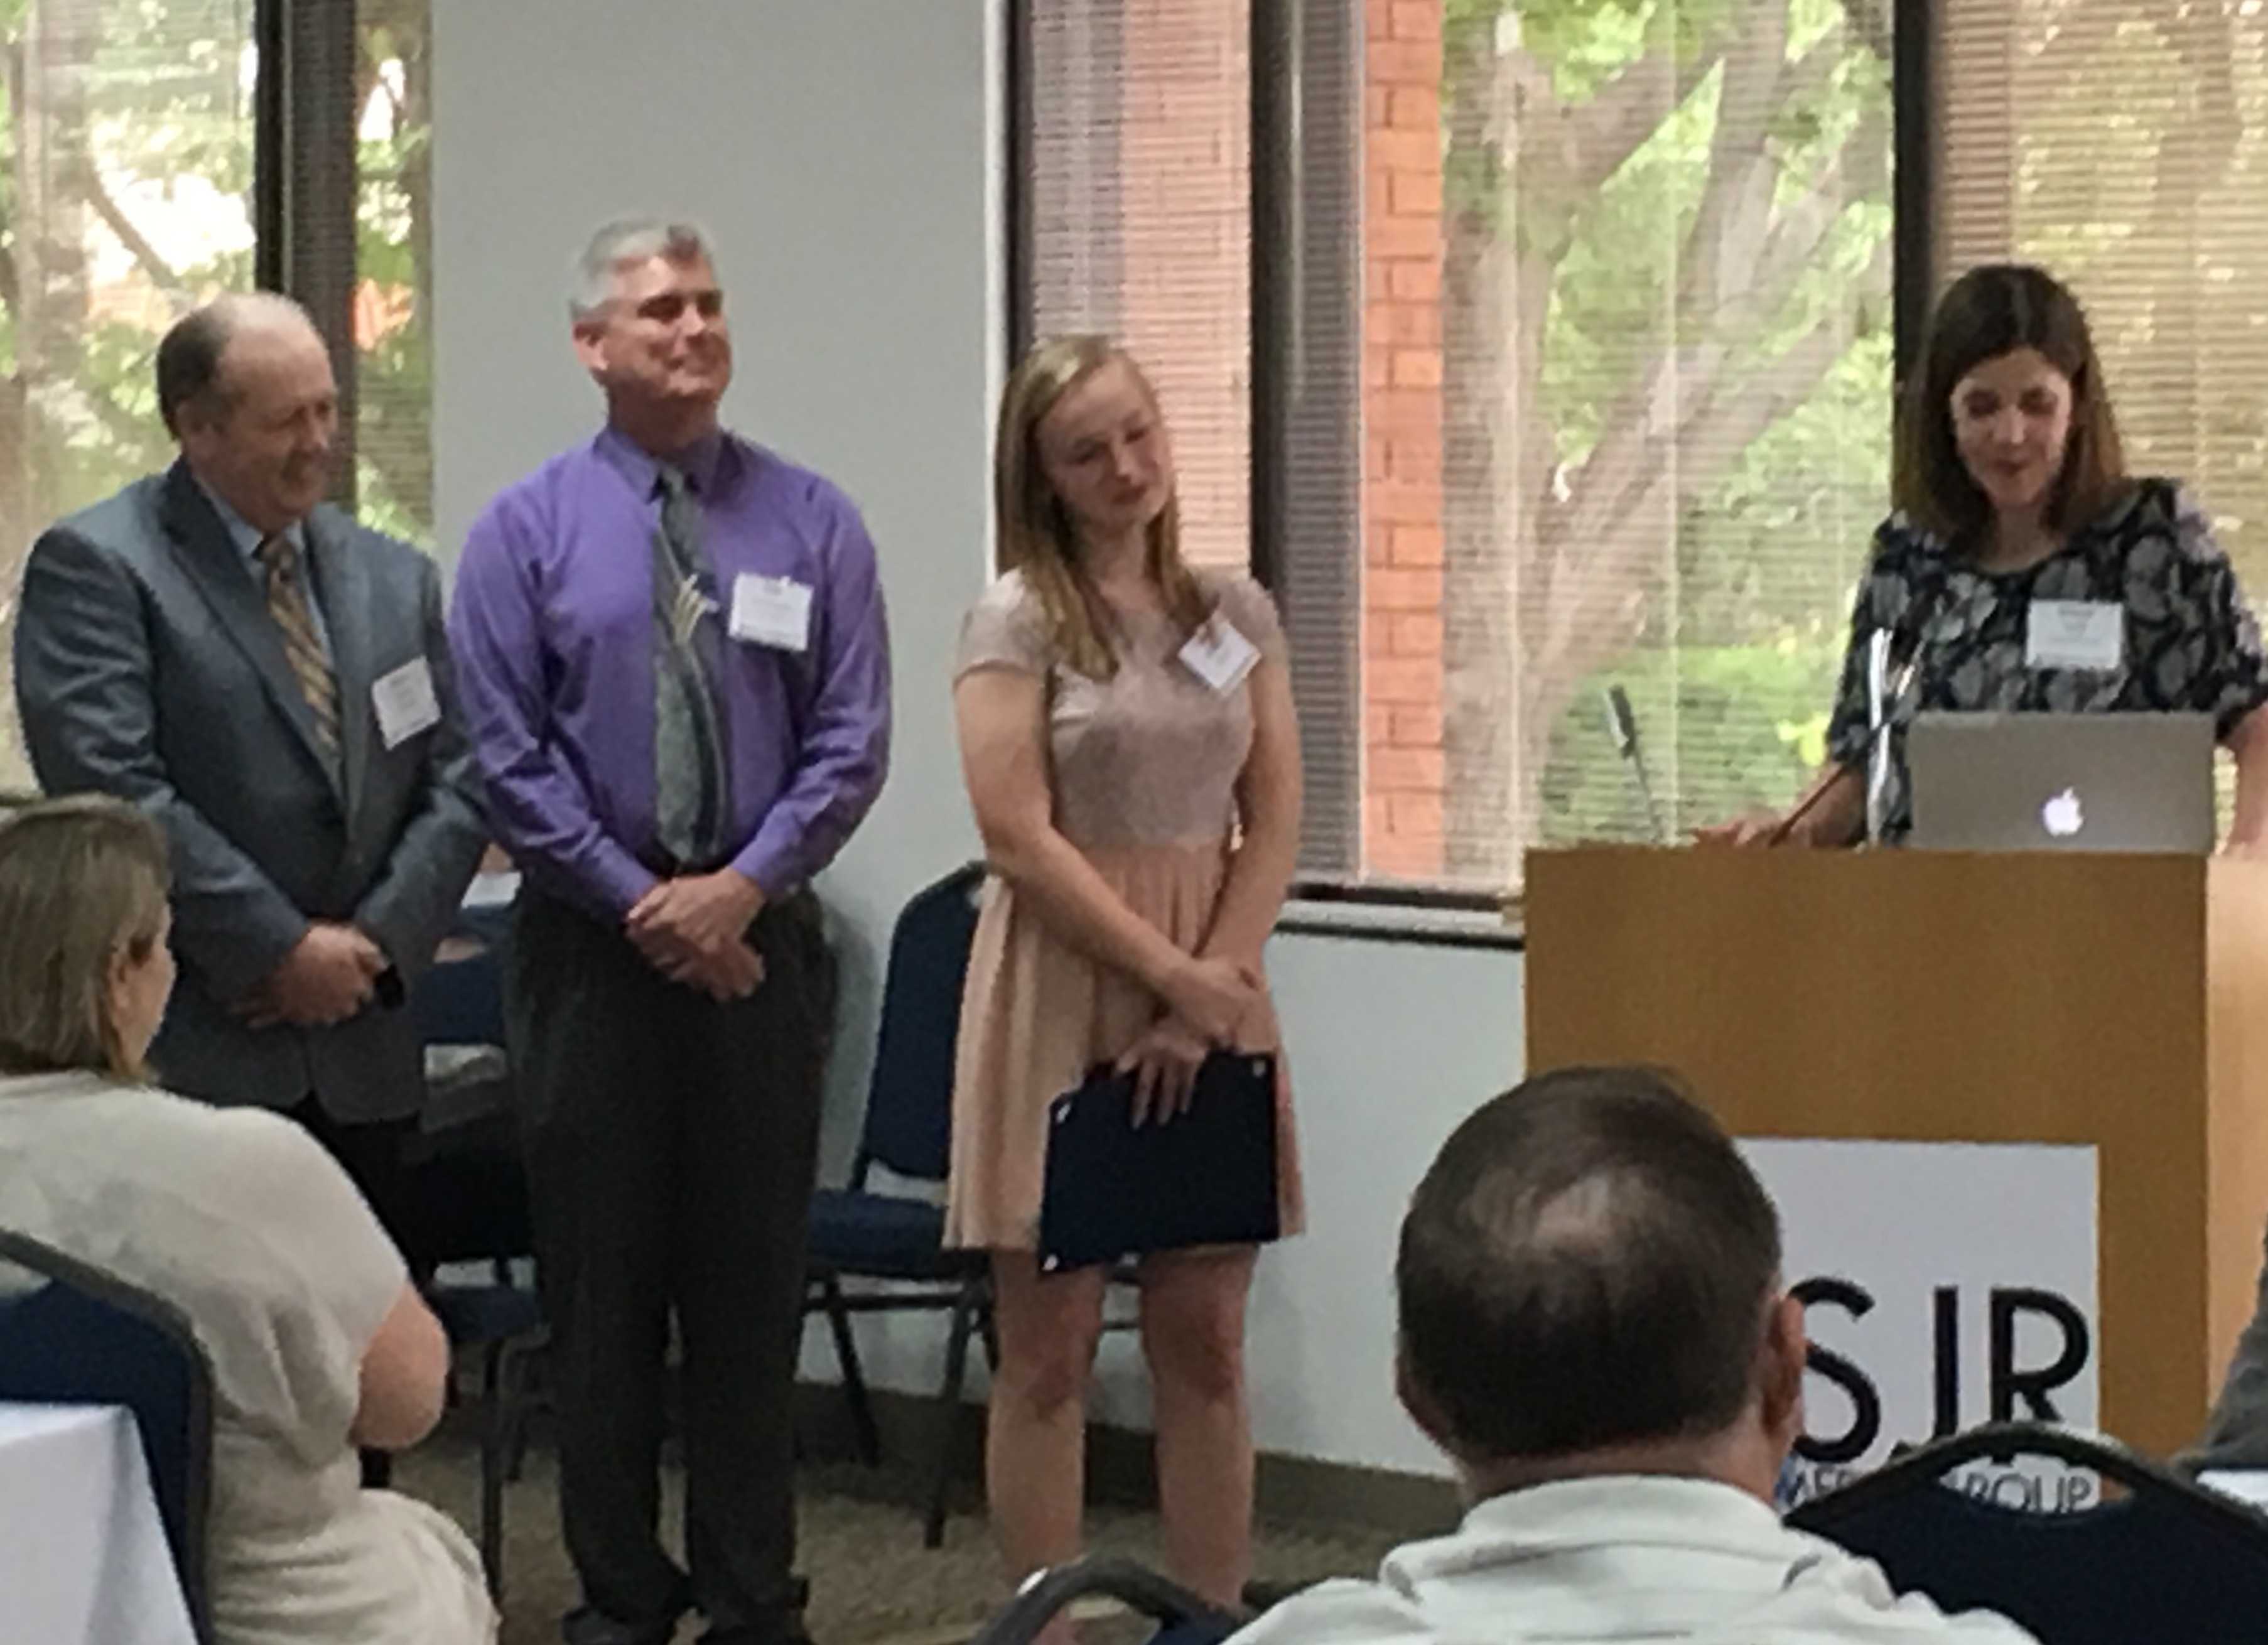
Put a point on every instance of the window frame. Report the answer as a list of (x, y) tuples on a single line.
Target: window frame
[(1305, 54), (306, 184)]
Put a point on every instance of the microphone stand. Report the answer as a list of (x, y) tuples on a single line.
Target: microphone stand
[(1878, 745), (1623, 722), (1883, 695)]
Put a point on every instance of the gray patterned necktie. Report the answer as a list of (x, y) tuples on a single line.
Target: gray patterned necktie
[(692, 786)]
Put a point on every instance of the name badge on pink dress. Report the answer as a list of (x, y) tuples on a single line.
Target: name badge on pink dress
[(1220, 656)]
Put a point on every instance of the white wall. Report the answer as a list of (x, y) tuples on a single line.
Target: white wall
[(843, 155)]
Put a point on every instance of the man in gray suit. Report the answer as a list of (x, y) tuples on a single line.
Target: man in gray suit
[(270, 681)]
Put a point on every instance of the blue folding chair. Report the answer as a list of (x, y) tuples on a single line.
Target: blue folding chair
[(2165, 1560), (1182, 1618), (857, 1233), (87, 1338)]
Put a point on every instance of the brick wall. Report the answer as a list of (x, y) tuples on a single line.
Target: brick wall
[(1186, 223), (1184, 309), (1403, 761)]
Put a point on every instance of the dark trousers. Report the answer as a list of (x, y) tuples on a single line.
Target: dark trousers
[(670, 1145), (371, 1155), (458, 1197)]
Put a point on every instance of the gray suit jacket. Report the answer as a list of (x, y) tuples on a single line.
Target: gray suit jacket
[(147, 667)]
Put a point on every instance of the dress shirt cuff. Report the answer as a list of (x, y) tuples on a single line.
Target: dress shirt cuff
[(616, 879), (772, 863)]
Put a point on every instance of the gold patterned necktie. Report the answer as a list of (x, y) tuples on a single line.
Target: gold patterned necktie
[(287, 603)]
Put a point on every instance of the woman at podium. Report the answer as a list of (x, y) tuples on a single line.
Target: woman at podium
[(2024, 570)]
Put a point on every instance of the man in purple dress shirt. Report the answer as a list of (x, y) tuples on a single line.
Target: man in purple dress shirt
[(672, 654)]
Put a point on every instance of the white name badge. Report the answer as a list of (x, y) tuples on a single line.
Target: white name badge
[(405, 702), (2075, 634), (774, 611), (1219, 655)]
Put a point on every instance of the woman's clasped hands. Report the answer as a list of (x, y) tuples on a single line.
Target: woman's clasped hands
[(1206, 999)]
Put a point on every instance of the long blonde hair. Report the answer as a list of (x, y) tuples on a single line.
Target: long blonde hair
[(1037, 534), (83, 885)]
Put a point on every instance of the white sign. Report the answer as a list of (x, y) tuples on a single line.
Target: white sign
[(1945, 1285)]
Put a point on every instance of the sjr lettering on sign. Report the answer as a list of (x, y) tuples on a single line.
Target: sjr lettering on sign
[(2015, 1390)]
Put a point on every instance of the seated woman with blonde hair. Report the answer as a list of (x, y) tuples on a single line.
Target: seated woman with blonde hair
[(318, 1342)]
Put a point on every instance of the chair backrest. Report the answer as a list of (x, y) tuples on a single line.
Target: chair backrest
[(2168, 1560), (909, 1100), (459, 1002), (1182, 1618), (87, 1338)]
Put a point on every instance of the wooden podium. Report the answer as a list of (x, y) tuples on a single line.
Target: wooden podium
[(1927, 996)]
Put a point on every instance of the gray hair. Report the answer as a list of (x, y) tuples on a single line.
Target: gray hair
[(625, 241)]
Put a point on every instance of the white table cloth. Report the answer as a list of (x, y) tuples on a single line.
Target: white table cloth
[(2248, 1486), (82, 1553)]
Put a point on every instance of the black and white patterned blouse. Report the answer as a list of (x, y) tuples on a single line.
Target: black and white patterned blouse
[(2191, 642)]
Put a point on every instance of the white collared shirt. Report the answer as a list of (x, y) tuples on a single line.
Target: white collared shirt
[(1623, 1557), (248, 539)]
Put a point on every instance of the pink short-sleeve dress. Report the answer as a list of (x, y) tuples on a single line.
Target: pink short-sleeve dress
[(1143, 770)]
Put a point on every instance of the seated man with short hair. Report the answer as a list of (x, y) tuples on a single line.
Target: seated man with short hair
[(1594, 1327)]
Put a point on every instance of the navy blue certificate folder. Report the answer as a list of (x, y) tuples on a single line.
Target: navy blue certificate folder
[(1204, 1178)]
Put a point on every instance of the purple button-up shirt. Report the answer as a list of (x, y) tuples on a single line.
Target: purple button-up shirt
[(552, 627)]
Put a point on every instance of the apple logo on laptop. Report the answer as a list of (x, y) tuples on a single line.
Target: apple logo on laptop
[(2062, 816)]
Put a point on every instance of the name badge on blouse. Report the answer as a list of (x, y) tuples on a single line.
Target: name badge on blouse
[(2089, 633), (1220, 656), (774, 611), (405, 702)]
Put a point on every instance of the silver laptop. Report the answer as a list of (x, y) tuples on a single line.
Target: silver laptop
[(2062, 781)]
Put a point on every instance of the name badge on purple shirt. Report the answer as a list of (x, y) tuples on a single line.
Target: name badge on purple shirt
[(774, 611)]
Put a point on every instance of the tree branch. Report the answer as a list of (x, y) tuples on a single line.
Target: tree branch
[(161, 273), (1869, 23), (1719, 423), (1735, 209), (1596, 558), (1631, 107), (1794, 242)]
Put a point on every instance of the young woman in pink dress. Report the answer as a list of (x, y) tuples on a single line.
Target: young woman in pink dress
[(1127, 733)]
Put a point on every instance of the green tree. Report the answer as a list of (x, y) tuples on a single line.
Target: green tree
[(1667, 357)]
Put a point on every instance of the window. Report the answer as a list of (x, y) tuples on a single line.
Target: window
[(1139, 221), (391, 248), (1576, 371), (1626, 391), (148, 162), (126, 162)]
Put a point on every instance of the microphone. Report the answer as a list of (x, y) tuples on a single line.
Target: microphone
[(1622, 724)]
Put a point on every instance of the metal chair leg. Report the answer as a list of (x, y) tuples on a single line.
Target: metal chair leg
[(520, 1359), (496, 1422), (965, 1308), (854, 1380)]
